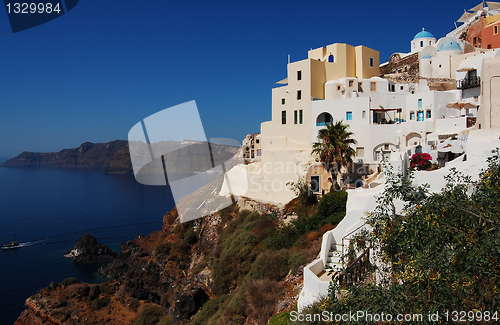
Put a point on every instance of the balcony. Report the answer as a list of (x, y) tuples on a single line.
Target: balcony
[(469, 83)]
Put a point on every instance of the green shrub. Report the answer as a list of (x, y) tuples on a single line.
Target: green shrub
[(167, 320), (332, 203), (150, 315), (209, 309), (163, 249), (190, 236), (280, 319), (236, 257), (283, 237), (271, 264), (296, 260)]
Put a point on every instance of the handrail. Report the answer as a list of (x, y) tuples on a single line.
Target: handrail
[(355, 270), (343, 238), (468, 83)]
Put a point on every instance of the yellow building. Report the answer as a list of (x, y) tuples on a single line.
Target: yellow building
[(286, 140), (290, 127)]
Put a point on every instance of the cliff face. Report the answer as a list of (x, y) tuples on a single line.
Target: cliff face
[(144, 273), (88, 155), (171, 272), (114, 157)]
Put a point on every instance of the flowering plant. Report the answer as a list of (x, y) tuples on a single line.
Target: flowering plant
[(420, 161)]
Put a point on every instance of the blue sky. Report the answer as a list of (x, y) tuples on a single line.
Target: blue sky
[(93, 73)]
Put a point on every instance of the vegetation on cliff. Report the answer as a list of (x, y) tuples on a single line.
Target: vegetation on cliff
[(226, 268), (442, 255)]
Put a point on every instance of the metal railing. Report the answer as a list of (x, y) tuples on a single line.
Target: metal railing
[(468, 83), (356, 270)]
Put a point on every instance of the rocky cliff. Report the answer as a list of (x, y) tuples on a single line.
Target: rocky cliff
[(87, 155), (88, 250), (185, 157)]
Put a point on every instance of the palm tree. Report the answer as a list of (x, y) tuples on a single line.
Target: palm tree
[(334, 149)]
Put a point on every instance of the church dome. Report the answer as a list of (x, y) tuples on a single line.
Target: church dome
[(423, 34), (449, 45)]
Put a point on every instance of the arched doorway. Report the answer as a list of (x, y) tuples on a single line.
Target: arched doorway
[(323, 119)]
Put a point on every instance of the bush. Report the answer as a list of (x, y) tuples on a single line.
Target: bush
[(262, 296), (332, 203), (420, 161), (209, 309), (163, 249), (150, 315), (281, 319), (271, 264), (190, 237), (236, 257), (296, 260)]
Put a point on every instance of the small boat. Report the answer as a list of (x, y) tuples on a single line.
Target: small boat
[(13, 244)]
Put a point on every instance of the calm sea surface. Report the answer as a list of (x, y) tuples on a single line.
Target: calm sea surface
[(47, 210)]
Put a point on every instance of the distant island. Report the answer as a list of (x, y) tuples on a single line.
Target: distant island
[(113, 158)]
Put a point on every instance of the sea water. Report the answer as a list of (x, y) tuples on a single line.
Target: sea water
[(47, 210)]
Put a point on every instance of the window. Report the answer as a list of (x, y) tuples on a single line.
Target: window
[(257, 141), (428, 113), (282, 101), (386, 147), (351, 83), (373, 86), (331, 58), (420, 103), (412, 115), (299, 75), (401, 88), (440, 66), (430, 42), (360, 87), (489, 46), (420, 116), (315, 183), (299, 94), (339, 87), (371, 62), (421, 43), (295, 117), (495, 29), (474, 41), (258, 152), (348, 116), (283, 117), (300, 117), (360, 152), (363, 114)]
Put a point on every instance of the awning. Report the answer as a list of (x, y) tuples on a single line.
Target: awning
[(476, 8), (386, 109), (466, 69), (465, 17), (493, 5), (460, 104)]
